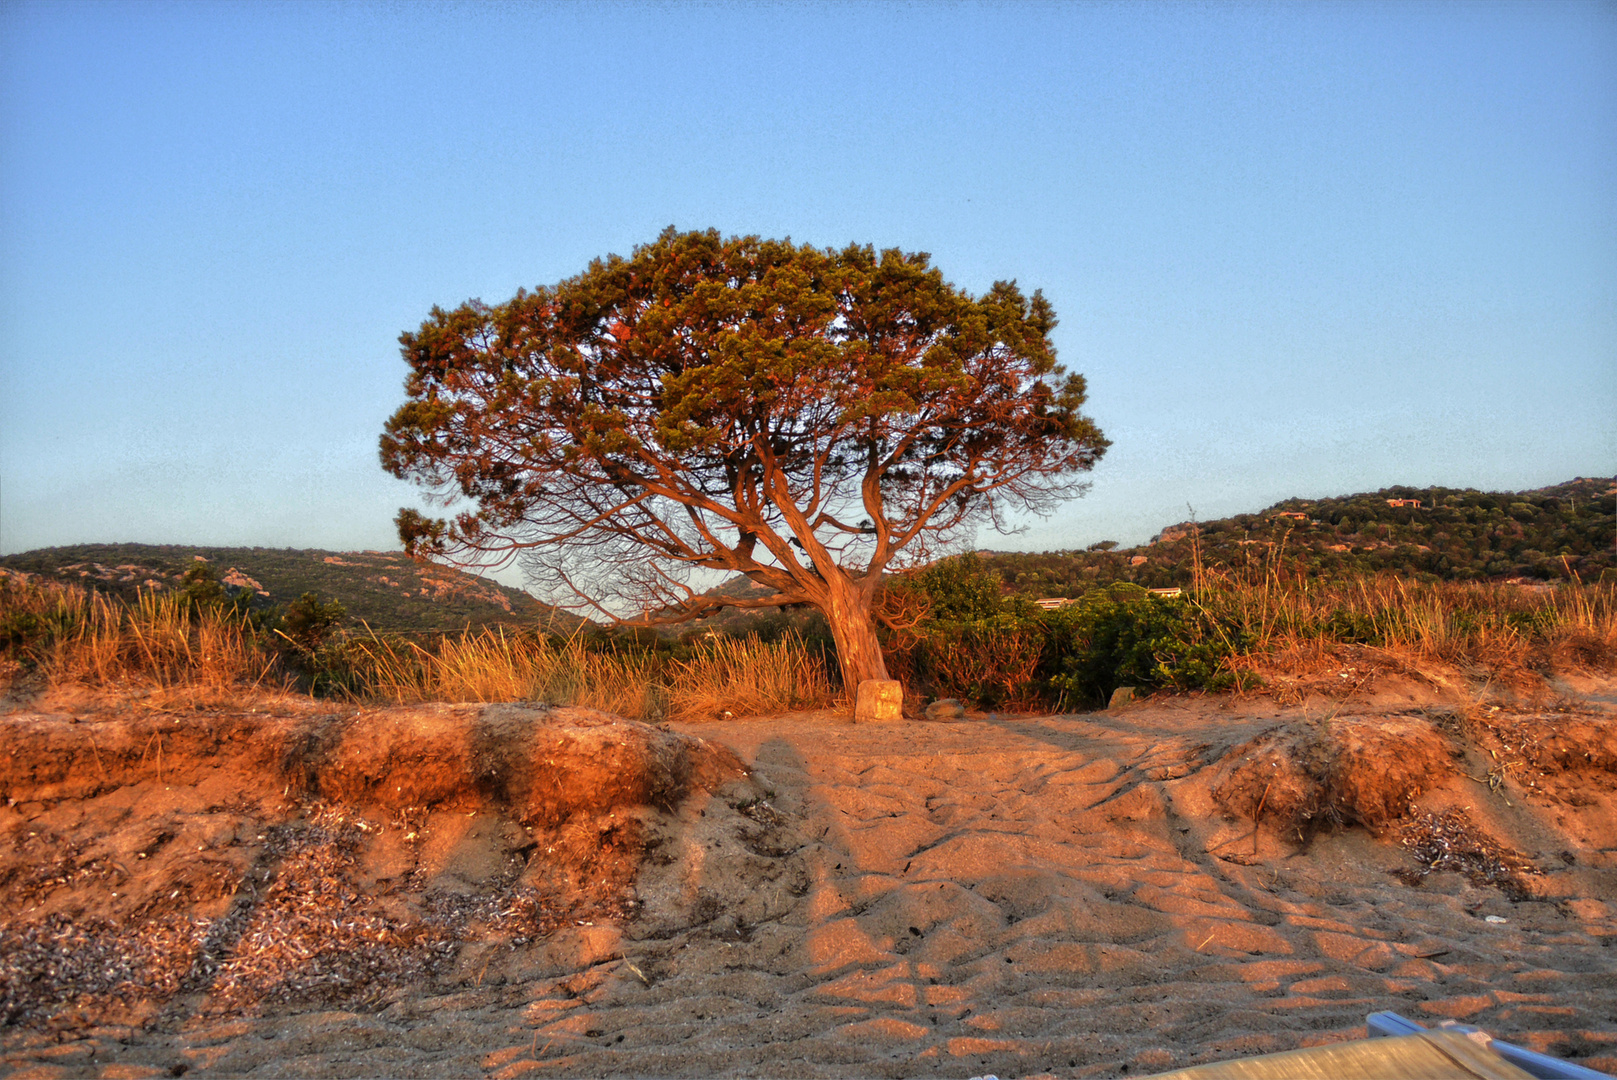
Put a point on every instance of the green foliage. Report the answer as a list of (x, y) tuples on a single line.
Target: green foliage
[(1010, 653), (799, 415), (1124, 636), (1556, 533), (346, 667), (201, 589), (1350, 628), (21, 632), (974, 640), (992, 662), (33, 618), (307, 622), (962, 589)]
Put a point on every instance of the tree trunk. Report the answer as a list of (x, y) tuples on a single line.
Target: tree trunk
[(847, 609)]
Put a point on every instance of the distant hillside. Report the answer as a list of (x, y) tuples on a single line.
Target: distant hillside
[(1451, 535), (1432, 533), (383, 588)]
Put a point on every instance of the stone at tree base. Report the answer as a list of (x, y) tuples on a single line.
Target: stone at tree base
[(1123, 695), (879, 701), (945, 710)]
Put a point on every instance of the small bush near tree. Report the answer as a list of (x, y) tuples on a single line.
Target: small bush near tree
[(1124, 636), (201, 589), (308, 622), (996, 649)]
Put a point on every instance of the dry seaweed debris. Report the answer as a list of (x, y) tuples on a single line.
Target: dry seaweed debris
[(1451, 842), (300, 929), (46, 862), (61, 967), (1554, 742), (310, 935)]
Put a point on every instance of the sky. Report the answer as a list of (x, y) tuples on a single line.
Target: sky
[(1296, 249)]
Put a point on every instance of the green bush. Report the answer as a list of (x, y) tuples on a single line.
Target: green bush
[(1124, 636), (992, 662), (963, 589), (307, 622), (346, 668), (995, 650), (33, 619), (1351, 627), (20, 631), (201, 588)]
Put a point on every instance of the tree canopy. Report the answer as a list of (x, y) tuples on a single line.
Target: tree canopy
[(808, 418)]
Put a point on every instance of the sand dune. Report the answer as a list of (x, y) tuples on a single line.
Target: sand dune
[(1071, 895)]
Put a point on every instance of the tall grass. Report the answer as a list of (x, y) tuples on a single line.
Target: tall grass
[(1456, 623), (74, 635), (739, 676), (494, 665), (748, 676)]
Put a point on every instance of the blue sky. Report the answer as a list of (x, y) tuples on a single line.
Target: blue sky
[(1297, 249)]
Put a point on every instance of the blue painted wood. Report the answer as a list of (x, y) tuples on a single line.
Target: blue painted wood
[(1381, 1024)]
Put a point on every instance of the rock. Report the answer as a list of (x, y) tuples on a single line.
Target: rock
[(880, 701), (1123, 695), (945, 710)]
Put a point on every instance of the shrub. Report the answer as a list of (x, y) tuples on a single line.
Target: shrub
[(962, 589), (1124, 636), (992, 662), (200, 588), (307, 622)]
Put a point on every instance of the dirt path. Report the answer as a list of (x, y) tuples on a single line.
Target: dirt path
[(1014, 896)]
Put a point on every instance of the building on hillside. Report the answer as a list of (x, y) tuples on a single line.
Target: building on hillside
[(1167, 594), (1051, 603), (1416, 503), (1292, 515)]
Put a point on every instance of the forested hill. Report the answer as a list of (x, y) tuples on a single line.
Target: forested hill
[(1437, 534), (383, 588)]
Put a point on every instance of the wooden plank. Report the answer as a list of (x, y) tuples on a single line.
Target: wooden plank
[(1429, 1055)]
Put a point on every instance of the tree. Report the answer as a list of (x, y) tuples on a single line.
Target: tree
[(808, 418)]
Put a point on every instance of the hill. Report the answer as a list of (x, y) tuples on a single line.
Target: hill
[(1433, 534), (385, 589)]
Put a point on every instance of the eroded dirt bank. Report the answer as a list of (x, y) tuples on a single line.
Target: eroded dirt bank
[(438, 891)]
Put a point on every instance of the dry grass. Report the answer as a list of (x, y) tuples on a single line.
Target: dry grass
[(746, 676), (493, 665), (1299, 622), (81, 642), (724, 675), (79, 638)]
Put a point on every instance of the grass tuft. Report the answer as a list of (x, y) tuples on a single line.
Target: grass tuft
[(74, 636)]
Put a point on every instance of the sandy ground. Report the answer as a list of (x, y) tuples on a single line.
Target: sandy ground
[(1071, 895)]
